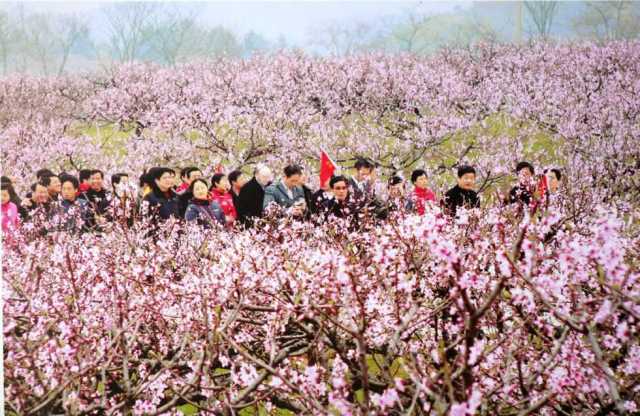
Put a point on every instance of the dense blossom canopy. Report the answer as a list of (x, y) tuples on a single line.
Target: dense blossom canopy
[(493, 312)]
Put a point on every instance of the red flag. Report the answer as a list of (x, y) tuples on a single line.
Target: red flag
[(540, 194), (542, 187), (327, 167)]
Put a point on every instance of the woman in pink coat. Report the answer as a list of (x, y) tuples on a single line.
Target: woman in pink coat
[(10, 219)]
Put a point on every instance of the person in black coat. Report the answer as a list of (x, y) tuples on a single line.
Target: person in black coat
[(251, 196), (346, 205), (201, 210), (237, 179), (98, 200), (523, 191), (462, 195), (362, 184), (162, 202)]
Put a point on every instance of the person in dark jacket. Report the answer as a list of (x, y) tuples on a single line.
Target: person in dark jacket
[(84, 176), (52, 182), (396, 200), (97, 195), (237, 179), (362, 183), (463, 194), (310, 199), (98, 200), (188, 175), (162, 202), (39, 210), (201, 209), (523, 191), (340, 205), (251, 196), (345, 205), (73, 214)]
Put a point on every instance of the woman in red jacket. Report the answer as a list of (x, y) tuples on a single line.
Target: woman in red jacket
[(220, 187), (421, 195)]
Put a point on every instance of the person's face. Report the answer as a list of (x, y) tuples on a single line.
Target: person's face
[(553, 181), (165, 182), (68, 191), (242, 180), (121, 187), (467, 181), (54, 186), (364, 174), (223, 185), (200, 190), (40, 195), (95, 182), (524, 176), (396, 190), (4, 196), (340, 190), (421, 182), (293, 181), (264, 177), (196, 174)]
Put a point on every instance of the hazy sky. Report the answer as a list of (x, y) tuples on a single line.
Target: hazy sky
[(294, 20)]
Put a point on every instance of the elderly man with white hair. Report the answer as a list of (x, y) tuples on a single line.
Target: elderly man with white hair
[(251, 196)]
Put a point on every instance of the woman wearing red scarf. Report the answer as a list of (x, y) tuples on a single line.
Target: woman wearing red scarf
[(219, 193), (421, 195)]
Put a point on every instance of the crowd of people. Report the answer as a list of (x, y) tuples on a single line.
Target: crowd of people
[(83, 203)]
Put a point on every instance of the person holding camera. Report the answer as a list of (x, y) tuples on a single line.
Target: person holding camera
[(287, 194)]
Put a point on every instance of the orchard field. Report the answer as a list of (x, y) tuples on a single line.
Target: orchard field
[(493, 313)]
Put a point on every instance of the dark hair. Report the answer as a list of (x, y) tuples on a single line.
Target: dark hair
[(555, 172), (215, 179), (46, 180), (5, 180), (156, 173), (362, 163), (94, 171), (117, 177), (395, 179), (525, 165), (143, 179), (43, 172), (8, 186), (35, 185), (291, 170), (69, 178), (193, 185), (186, 172), (416, 174), (463, 170), (84, 174), (340, 178), (234, 175)]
